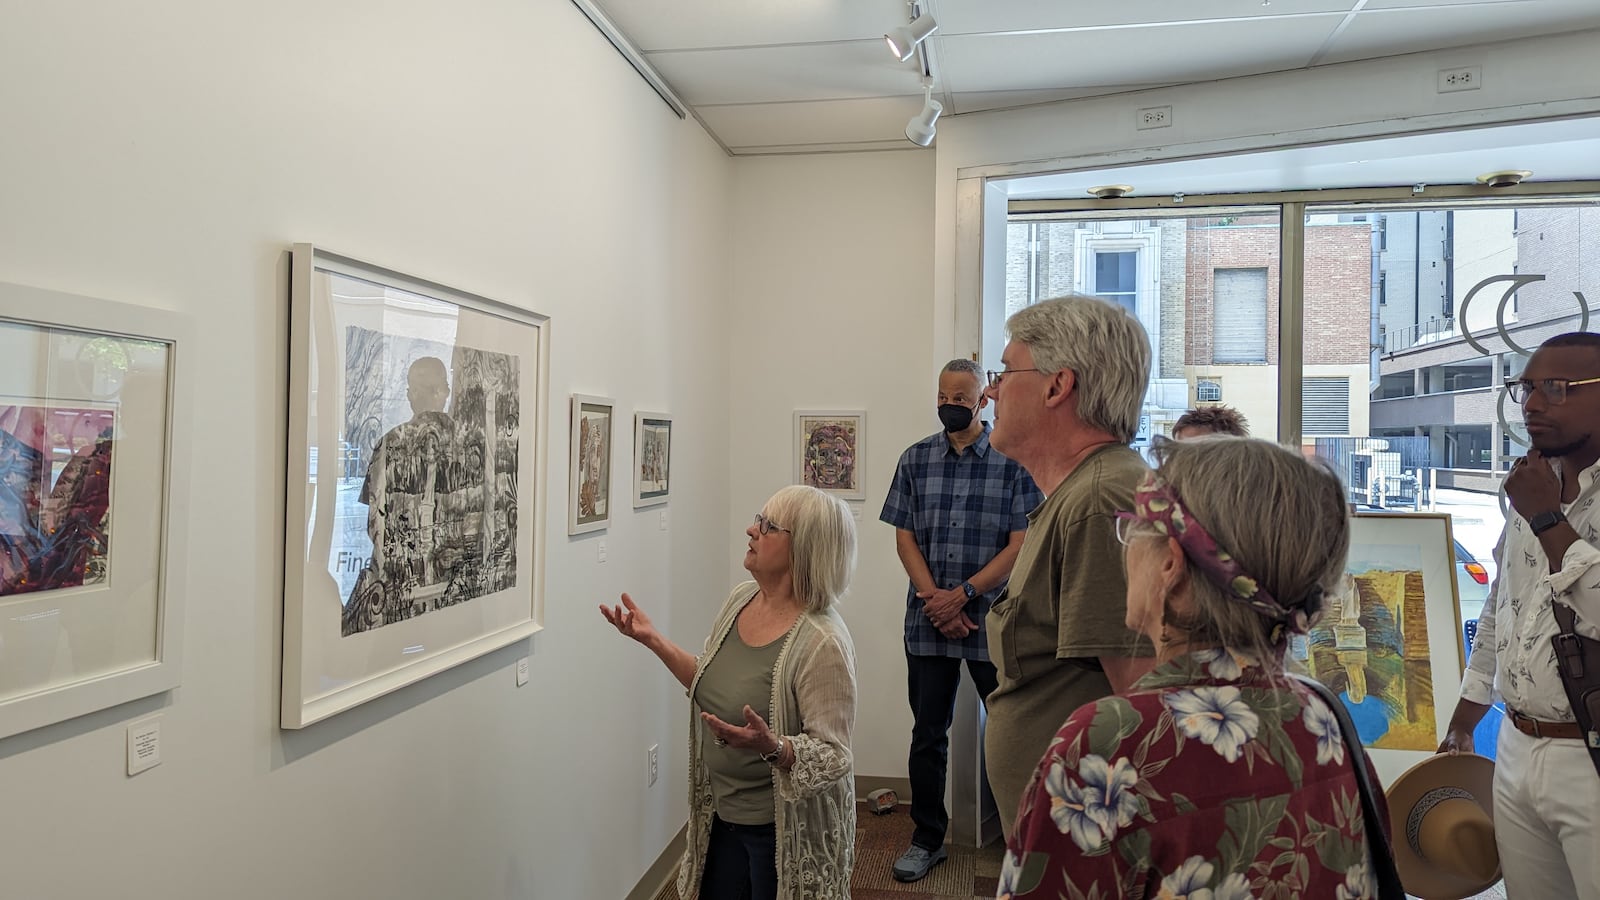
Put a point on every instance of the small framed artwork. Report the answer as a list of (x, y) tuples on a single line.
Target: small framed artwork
[(1389, 643), (589, 481), (652, 459), (829, 450), (417, 449), (94, 443)]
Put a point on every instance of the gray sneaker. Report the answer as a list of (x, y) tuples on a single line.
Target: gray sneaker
[(915, 863)]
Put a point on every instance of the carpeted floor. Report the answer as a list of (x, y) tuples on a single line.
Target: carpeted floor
[(880, 840)]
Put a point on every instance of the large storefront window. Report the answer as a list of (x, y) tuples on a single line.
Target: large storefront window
[(1412, 316)]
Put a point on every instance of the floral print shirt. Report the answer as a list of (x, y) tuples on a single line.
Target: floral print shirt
[(1209, 781)]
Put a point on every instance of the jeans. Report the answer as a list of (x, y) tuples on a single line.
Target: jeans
[(741, 862), (932, 682)]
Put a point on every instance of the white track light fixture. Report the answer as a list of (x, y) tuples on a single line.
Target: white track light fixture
[(903, 41), (920, 129)]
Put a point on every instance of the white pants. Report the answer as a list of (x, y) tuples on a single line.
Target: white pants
[(1546, 813)]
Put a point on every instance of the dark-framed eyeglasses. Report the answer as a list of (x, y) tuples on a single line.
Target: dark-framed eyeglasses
[(1554, 389), (996, 377), (767, 526)]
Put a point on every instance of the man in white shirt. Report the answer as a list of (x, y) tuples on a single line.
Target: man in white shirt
[(1546, 789)]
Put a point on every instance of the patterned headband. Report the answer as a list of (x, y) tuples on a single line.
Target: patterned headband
[(1157, 504)]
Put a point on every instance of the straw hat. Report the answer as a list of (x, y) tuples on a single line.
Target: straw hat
[(1441, 820)]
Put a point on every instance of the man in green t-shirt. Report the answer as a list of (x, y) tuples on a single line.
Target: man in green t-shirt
[(1067, 405)]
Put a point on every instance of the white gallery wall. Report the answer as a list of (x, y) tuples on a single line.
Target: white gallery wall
[(167, 154)]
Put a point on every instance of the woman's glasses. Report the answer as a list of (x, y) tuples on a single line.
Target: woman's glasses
[(767, 526)]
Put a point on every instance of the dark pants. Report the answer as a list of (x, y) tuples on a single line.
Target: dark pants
[(741, 862), (932, 683)]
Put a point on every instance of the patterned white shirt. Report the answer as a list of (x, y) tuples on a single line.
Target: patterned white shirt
[(1512, 657)]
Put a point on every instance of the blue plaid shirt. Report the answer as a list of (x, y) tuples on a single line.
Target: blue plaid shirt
[(962, 508)]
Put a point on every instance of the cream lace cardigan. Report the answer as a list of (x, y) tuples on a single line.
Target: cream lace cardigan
[(814, 706)]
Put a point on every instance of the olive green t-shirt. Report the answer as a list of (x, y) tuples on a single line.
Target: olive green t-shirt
[(1064, 607), (741, 782)]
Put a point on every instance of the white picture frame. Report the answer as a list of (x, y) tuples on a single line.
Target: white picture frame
[(1393, 557), (830, 451), (652, 459), (593, 434), (95, 435), (421, 546)]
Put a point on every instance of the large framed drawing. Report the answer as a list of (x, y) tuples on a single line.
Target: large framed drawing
[(416, 457), (1389, 643), (94, 438), (830, 451), (652, 458), (589, 476)]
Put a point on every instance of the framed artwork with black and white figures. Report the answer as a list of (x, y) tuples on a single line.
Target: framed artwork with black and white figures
[(652, 459), (94, 462), (417, 448)]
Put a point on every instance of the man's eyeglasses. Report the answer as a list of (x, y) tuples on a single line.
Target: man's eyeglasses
[(996, 377), (1554, 389), (767, 526)]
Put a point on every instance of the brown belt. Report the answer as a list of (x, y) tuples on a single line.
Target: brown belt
[(1535, 728)]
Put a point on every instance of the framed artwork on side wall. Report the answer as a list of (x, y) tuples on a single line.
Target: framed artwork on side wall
[(830, 451), (652, 458), (1389, 642), (589, 481), (94, 463), (417, 448)]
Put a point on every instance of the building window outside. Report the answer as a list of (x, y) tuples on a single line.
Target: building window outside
[(1240, 316), (1116, 278), (1324, 406), (1208, 392)]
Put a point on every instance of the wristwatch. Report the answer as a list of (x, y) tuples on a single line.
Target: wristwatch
[(1545, 521), (969, 590)]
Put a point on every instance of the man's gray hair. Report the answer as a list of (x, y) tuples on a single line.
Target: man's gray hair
[(1104, 346), (967, 366)]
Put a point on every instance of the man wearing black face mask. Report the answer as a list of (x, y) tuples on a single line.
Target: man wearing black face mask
[(959, 508)]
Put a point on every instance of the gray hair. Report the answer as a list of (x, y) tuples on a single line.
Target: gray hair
[(1281, 515), (822, 543), (1104, 346), (965, 365)]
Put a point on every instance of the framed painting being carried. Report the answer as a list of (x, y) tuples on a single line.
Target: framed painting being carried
[(416, 454), (1390, 643)]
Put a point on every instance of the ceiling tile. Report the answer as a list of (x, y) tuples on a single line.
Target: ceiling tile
[(1159, 55), (958, 17), (833, 122), (1387, 33), (662, 25), (813, 72)]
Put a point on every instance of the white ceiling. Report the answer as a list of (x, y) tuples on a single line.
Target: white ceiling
[(783, 76)]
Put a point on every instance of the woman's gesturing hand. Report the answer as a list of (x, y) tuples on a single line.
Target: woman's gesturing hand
[(630, 620)]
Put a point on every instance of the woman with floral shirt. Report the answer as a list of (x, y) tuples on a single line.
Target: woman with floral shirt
[(1216, 776)]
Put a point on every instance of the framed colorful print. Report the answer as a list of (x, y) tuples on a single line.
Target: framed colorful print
[(652, 458), (1390, 643), (94, 442), (417, 450), (589, 481), (829, 451)]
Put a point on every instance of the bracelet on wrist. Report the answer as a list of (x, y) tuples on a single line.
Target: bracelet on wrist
[(775, 755)]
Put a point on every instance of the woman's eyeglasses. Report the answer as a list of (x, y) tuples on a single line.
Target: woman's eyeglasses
[(1126, 523), (767, 526)]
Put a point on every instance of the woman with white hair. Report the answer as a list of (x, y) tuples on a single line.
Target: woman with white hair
[(1217, 774), (771, 778)]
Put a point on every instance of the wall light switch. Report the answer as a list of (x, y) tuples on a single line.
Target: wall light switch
[(144, 745), (522, 671), (602, 550)]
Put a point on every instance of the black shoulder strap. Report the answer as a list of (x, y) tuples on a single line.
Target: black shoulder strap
[(1388, 878)]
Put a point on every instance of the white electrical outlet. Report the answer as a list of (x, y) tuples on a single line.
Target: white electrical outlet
[(651, 769), (1153, 117), (1466, 78)]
